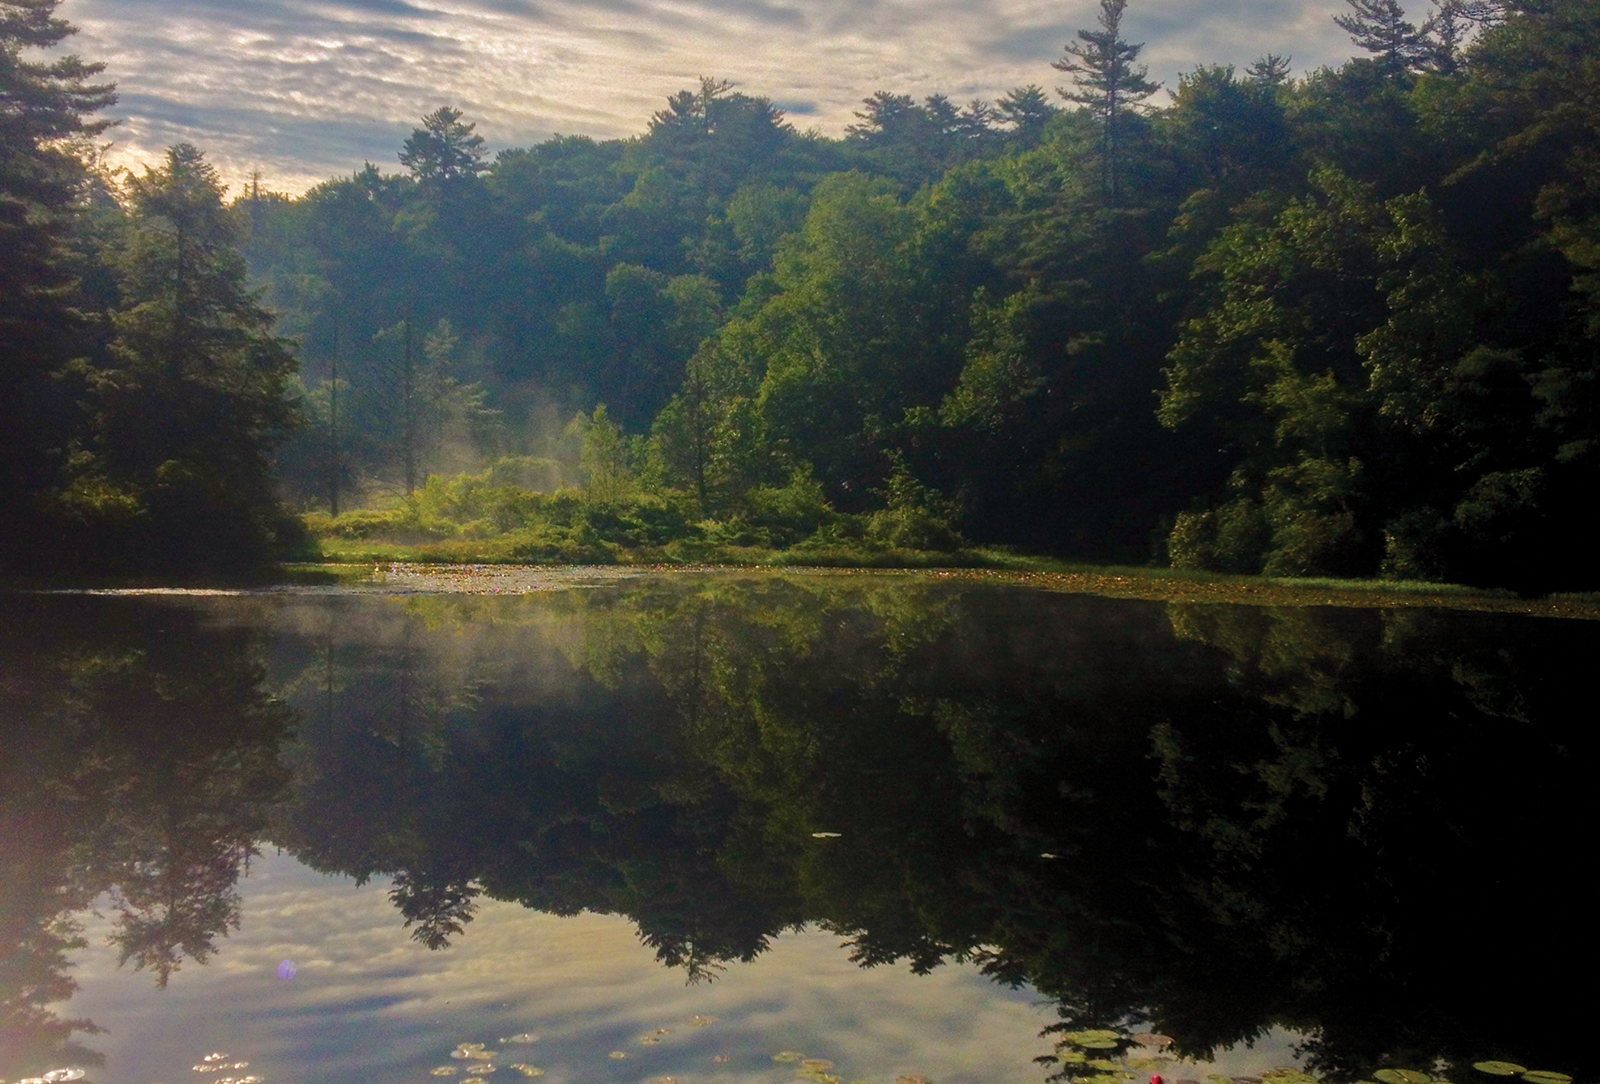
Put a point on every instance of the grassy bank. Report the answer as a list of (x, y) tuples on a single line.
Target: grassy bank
[(470, 520), (350, 564)]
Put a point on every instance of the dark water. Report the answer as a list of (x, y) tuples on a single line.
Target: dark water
[(914, 828)]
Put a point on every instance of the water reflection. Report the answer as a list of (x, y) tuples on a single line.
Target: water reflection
[(141, 757), (1204, 821)]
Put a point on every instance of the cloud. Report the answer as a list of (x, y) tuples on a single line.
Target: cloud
[(307, 89)]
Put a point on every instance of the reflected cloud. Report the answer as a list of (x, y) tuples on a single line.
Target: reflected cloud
[(305, 90), (585, 985)]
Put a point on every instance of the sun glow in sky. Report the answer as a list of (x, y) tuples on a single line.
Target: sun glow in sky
[(304, 90)]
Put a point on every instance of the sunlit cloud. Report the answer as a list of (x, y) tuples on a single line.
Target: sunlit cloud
[(307, 89)]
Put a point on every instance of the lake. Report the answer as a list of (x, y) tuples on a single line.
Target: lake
[(718, 826)]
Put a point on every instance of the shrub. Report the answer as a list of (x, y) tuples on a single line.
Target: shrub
[(916, 516)]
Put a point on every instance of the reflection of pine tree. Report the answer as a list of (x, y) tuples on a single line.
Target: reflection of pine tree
[(141, 753)]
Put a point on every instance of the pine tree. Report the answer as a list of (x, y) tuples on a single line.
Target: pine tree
[(1027, 110), (444, 150), (196, 396), (1380, 27), (1269, 70), (44, 125), (1107, 83)]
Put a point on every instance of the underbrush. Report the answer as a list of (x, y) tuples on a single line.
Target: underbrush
[(478, 519)]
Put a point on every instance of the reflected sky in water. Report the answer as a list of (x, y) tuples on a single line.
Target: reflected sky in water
[(910, 827), (368, 1002)]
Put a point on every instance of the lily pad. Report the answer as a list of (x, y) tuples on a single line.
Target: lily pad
[(56, 1076), (1105, 1066), (1098, 1039), (528, 1070), (521, 1040), (649, 1040), (443, 1070), (1499, 1068), (701, 1021), (1151, 1038), (721, 1059), (912, 1078), (1402, 1076), (824, 835), (786, 1056), (617, 1055), (817, 1065), (1544, 1076)]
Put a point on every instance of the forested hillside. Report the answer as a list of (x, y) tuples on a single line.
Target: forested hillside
[(1337, 323)]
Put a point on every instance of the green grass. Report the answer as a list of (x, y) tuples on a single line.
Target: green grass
[(1170, 584)]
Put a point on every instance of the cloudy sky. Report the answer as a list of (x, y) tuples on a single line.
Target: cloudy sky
[(303, 90)]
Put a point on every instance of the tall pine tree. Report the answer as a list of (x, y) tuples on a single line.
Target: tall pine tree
[(45, 110), (197, 392), (1107, 82)]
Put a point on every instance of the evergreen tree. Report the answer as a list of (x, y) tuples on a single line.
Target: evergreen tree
[(1107, 82), (444, 150), (1027, 110), (1380, 27), (196, 393), (44, 122), (1269, 70)]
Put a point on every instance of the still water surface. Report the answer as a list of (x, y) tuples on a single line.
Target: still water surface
[(914, 828)]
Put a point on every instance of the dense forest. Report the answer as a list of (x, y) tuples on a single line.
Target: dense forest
[(1344, 322)]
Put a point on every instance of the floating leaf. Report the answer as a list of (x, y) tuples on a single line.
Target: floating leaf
[(55, 1076), (1093, 1040), (649, 1040), (482, 1070), (443, 1070), (701, 1021), (1105, 1066), (616, 1055), (912, 1078), (817, 1065), (1499, 1068), (788, 1056), (1072, 1057), (1544, 1076), (720, 1059), (528, 1070), (1406, 1076), (824, 835), (522, 1040), (472, 1080)]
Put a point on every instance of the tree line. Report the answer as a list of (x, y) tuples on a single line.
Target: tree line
[(1336, 323)]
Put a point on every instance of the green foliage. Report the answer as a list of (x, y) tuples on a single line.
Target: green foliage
[(194, 393), (915, 516)]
